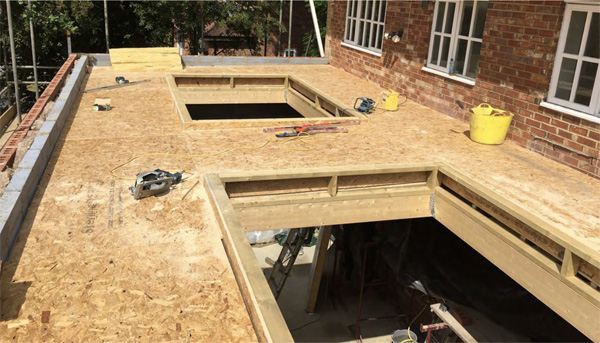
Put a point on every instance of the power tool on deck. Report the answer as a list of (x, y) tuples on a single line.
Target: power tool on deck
[(154, 182), (367, 105)]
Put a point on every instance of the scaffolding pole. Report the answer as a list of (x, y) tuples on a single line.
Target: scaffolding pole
[(313, 11), (35, 74), (14, 60), (5, 59), (280, 26), (106, 26), (289, 29)]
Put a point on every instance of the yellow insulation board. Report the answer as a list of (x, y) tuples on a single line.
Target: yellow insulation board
[(145, 59)]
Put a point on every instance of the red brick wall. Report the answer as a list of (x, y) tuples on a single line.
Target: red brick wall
[(520, 39)]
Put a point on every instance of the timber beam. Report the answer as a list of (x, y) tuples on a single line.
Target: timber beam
[(550, 264)]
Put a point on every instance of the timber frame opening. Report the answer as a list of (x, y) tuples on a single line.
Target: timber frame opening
[(199, 89), (552, 266)]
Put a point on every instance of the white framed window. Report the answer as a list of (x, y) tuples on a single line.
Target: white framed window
[(575, 82), (456, 35), (365, 21)]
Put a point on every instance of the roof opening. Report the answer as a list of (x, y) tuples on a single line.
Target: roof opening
[(241, 111)]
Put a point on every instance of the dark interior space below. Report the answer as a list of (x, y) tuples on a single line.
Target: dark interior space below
[(241, 111), (408, 265)]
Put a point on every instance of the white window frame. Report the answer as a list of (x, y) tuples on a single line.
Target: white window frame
[(374, 33), (594, 107), (454, 37)]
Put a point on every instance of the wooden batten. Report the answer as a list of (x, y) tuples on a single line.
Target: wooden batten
[(316, 108), (530, 230), (326, 172), (332, 187), (551, 269), (570, 264), (524, 264), (316, 268), (304, 105), (7, 116), (335, 212), (267, 320)]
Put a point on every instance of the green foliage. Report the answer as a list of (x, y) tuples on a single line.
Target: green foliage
[(255, 20), (309, 39), (132, 24), (185, 20), (51, 21)]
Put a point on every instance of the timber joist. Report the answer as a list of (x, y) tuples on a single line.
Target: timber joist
[(189, 89), (554, 267), (581, 261)]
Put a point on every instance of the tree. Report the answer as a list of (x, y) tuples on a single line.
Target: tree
[(187, 20), (252, 19), (309, 39)]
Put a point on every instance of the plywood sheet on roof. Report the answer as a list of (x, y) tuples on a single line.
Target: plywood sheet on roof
[(169, 277), (145, 59)]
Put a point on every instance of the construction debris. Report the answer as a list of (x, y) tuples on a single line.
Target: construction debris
[(101, 104)]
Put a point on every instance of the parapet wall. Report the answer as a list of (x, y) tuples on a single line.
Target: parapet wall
[(21, 189)]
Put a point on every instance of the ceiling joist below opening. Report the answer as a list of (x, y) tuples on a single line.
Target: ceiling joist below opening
[(554, 268)]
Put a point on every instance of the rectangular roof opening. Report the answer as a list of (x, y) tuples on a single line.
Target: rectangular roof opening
[(214, 100), (241, 111)]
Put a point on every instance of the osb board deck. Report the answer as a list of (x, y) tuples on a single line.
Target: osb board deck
[(110, 268)]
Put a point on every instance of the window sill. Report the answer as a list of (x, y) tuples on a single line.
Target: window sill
[(451, 77), (570, 112), (360, 48)]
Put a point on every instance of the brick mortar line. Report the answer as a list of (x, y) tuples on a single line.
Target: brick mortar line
[(44, 99), (21, 190)]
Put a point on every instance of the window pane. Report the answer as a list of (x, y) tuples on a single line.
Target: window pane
[(465, 25), (592, 47), (461, 55), (380, 37), (363, 9), (440, 16), (355, 8), (450, 18), (360, 32), (475, 55), (382, 11), (481, 14), (347, 29), (369, 7), (367, 39), (587, 75), (376, 11), (353, 30), (565, 79), (445, 50), (435, 50), (575, 32)]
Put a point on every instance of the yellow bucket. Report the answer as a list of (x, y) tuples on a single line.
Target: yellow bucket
[(489, 125)]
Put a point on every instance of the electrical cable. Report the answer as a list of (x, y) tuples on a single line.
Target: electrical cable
[(410, 339), (300, 138), (305, 325)]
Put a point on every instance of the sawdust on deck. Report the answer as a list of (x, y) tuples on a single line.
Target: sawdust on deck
[(92, 264)]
